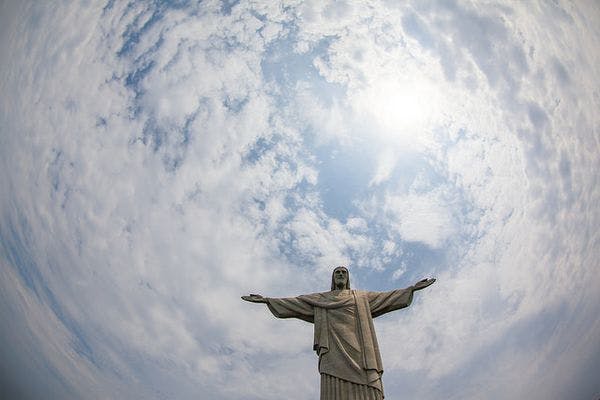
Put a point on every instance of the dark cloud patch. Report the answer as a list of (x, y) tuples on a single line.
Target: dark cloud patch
[(16, 239), (558, 12), (537, 116), (534, 332), (564, 169), (258, 149), (560, 72), (135, 77), (526, 337), (137, 28), (17, 246), (415, 27), (172, 138), (227, 6), (234, 105), (535, 150), (25, 372), (61, 172), (108, 6), (452, 31), (585, 379), (146, 18), (448, 62)]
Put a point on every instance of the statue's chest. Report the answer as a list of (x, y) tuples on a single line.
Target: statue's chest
[(343, 324)]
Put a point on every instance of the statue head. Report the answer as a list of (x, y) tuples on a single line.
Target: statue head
[(340, 278)]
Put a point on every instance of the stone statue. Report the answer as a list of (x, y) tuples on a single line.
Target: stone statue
[(349, 360)]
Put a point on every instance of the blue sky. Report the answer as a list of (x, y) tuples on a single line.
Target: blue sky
[(161, 159)]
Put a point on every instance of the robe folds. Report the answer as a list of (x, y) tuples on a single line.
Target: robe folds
[(344, 335)]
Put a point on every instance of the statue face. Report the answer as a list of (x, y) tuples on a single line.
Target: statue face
[(340, 277)]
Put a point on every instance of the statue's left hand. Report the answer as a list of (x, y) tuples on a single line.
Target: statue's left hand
[(254, 298), (422, 284)]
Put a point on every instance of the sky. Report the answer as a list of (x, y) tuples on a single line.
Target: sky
[(159, 159)]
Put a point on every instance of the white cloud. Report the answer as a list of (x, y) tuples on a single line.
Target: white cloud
[(420, 218)]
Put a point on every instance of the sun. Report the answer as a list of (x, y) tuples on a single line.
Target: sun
[(402, 109)]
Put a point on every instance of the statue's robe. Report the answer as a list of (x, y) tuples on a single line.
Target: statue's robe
[(345, 341)]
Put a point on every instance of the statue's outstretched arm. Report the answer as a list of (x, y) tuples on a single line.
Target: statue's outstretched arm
[(383, 302), (291, 307), (255, 298)]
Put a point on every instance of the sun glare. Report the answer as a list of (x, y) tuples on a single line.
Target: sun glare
[(402, 111)]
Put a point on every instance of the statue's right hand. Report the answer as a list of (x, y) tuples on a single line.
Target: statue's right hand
[(423, 283), (254, 298)]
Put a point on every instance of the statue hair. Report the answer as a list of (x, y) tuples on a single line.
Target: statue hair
[(333, 278)]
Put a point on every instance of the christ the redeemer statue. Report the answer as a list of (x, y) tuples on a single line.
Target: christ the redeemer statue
[(345, 341)]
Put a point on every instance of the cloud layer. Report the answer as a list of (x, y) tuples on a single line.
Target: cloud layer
[(160, 159)]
